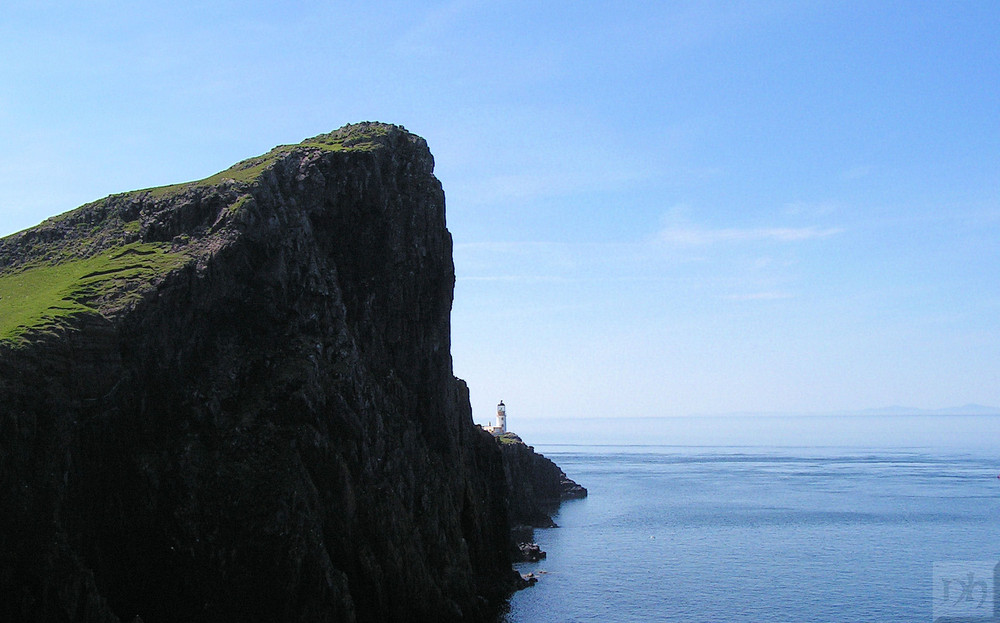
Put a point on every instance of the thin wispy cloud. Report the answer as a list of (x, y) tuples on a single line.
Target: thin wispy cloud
[(585, 174), (695, 236), (811, 209), (857, 173), (425, 37), (515, 279), (558, 253), (760, 296)]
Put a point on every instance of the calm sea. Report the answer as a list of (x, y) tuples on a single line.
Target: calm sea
[(799, 533)]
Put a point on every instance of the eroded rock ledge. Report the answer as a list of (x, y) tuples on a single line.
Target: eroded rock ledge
[(536, 484)]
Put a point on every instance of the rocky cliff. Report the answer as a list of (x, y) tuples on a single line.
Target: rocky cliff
[(536, 485), (233, 400)]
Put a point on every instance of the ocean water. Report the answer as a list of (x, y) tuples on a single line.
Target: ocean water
[(752, 532)]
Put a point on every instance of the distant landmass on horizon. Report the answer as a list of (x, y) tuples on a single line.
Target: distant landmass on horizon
[(966, 409)]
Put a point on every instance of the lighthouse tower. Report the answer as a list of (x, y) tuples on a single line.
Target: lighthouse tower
[(501, 418)]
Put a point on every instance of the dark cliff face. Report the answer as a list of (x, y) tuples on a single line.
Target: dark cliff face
[(536, 484), (241, 406)]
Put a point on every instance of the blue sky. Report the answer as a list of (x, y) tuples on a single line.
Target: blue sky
[(664, 208)]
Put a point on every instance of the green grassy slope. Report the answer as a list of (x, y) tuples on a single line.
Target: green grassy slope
[(92, 258), (49, 294)]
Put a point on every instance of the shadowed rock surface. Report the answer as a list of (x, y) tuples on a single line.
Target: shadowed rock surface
[(233, 400), (536, 485)]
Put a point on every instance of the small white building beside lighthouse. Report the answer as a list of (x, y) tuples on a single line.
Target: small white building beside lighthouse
[(501, 426)]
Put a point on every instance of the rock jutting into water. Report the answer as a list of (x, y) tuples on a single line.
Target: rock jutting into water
[(233, 400), (537, 486)]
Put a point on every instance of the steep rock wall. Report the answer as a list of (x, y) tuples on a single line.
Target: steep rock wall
[(270, 429), (536, 485)]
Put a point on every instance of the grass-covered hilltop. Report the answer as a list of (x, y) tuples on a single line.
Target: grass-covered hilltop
[(233, 400), (104, 256)]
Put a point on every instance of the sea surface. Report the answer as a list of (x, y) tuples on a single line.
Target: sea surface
[(865, 528)]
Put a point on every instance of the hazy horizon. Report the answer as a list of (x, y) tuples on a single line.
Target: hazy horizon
[(900, 431)]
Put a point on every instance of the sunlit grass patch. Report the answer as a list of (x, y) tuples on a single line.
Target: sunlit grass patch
[(47, 294)]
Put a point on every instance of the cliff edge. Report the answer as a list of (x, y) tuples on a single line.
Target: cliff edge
[(536, 485), (233, 400)]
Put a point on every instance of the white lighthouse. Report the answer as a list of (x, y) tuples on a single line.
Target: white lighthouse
[(502, 418), (501, 426)]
